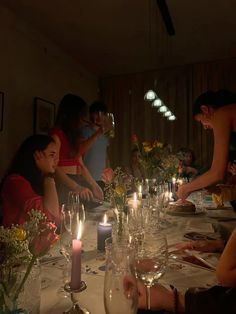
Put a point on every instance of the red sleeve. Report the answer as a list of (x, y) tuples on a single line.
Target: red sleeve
[(19, 198)]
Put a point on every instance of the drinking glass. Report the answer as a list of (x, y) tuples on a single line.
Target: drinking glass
[(151, 260), (111, 124), (120, 286)]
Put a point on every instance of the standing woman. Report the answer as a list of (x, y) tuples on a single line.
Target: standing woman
[(67, 133), (29, 182), (216, 111)]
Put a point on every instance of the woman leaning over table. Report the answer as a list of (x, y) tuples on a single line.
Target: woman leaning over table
[(216, 111), (29, 182), (66, 133)]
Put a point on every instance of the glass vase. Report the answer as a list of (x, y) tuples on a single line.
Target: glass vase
[(15, 299), (120, 227)]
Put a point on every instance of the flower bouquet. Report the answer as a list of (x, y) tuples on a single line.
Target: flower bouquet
[(20, 247), (157, 159), (117, 184)]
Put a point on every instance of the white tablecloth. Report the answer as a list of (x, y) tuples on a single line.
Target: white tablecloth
[(180, 275)]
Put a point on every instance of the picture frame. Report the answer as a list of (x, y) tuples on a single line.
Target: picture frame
[(44, 115), (1, 110)]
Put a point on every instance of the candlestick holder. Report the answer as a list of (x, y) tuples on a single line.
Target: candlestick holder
[(74, 293)]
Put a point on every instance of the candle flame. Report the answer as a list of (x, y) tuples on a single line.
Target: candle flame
[(105, 219), (135, 196), (140, 189), (79, 234), (173, 180)]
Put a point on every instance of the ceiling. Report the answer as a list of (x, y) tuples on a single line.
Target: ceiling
[(111, 37)]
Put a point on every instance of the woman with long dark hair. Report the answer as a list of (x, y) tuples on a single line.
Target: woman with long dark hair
[(67, 135), (29, 182), (216, 111)]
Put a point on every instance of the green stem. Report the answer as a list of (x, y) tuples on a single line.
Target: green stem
[(25, 277)]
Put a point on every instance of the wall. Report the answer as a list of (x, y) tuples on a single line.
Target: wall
[(32, 66)]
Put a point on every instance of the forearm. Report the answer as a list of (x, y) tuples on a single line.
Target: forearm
[(66, 180), (87, 176), (86, 144), (50, 198), (206, 179), (226, 268)]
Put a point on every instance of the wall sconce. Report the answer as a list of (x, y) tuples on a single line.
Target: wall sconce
[(157, 103), (150, 95), (163, 109)]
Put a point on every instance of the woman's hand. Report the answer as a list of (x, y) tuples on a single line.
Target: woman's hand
[(182, 192), (202, 245), (161, 298), (84, 193), (42, 163), (97, 192)]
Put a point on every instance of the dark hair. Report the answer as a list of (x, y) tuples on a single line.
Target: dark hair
[(71, 109), (24, 163), (186, 150), (216, 100), (97, 106)]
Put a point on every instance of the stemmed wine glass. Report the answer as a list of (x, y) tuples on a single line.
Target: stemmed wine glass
[(151, 260)]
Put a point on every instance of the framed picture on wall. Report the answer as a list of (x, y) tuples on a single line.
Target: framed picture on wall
[(1, 110), (44, 115)]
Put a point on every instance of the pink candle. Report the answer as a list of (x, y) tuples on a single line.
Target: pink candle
[(76, 261)]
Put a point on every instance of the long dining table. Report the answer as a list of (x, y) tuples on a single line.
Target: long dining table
[(55, 269)]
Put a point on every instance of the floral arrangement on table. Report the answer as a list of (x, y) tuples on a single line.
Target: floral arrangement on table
[(22, 245), (117, 185), (157, 159)]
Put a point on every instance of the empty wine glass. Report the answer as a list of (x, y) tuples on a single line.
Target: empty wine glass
[(151, 260), (77, 207), (120, 287)]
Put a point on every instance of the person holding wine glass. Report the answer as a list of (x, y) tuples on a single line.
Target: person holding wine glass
[(95, 140), (151, 261)]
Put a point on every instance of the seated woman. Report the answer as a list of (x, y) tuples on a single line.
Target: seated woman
[(66, 133), (216, 300), (187, 168), (29, 182)]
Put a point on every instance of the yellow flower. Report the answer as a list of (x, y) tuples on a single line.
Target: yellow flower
[(147, 147), (119, 190), (157, 144), (19, 234)]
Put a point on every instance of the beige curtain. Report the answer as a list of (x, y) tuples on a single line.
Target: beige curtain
[(177, 87)]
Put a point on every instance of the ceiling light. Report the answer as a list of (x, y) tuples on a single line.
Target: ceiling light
[(167, 113), (163, 109), (150, 95), (172, 117), (157, 103)]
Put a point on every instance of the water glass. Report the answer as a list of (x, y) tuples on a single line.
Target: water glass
[(120, 286)]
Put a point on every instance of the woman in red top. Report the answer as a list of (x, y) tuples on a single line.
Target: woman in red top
[(70, 118), (29, 183)]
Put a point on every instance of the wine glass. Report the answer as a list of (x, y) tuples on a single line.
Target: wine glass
[(120, 286), (77, 207), (151, 260), (110, 124)]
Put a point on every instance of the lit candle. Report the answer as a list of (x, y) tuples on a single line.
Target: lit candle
[(140, 194), (173, 184), (134, 202), (76, 260), (104, 231)]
